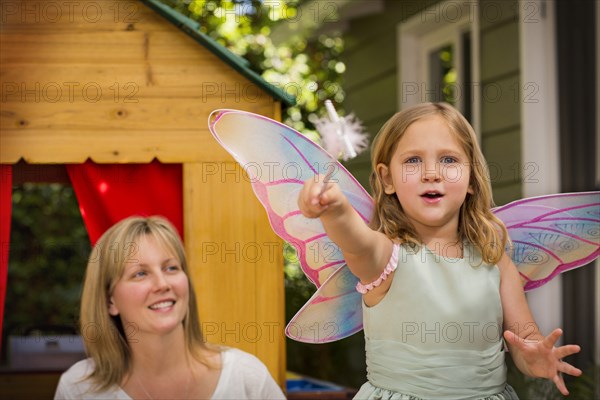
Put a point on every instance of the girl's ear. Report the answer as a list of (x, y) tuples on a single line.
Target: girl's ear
[(470, 189), (386, 178)]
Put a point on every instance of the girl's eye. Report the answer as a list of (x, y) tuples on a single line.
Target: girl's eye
[(413, 160), (172, 268), (448, 160)]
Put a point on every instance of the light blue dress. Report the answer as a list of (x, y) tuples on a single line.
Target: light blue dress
[(437, 333)]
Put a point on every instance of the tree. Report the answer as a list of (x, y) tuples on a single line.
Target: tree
[(49, 248)]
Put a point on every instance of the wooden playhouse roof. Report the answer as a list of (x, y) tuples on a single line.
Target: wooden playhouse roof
[(192, 29)]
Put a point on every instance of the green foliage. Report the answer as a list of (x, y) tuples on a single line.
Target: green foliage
[(49, 248), (307, 69)]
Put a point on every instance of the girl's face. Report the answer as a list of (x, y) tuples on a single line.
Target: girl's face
[(152, 294), (429, 172)]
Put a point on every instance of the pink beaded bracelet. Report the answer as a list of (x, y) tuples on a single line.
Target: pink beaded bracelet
[(389, 268)]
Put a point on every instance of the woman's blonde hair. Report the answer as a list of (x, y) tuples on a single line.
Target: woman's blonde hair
[(477, 224), (104, 336)]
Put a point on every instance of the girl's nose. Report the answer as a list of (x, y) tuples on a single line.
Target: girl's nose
[(431, 172)]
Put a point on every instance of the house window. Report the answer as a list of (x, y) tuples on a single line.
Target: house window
[(442, 74), (438, 58)]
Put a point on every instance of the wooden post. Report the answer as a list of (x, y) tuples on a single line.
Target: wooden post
[(236, 262)]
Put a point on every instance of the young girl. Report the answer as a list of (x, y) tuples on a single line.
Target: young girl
[(139, 322), (438, 289)]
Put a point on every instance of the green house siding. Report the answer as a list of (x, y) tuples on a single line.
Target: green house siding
[(371, 78), (371, 84), (501, 97), (494, 13)]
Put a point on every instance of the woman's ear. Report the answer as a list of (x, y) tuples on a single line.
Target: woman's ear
[(386, 178), (112, 308)]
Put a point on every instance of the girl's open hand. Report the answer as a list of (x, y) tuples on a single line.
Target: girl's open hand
[(318, 196), (542, 359)]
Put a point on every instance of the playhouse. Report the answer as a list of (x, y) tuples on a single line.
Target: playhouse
[(115, 96)]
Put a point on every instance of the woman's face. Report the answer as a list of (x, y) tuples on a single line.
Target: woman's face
[(152, 294)]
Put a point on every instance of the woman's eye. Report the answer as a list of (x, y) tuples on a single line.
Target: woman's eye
[(173, 268), (139, 274), (448, 160)]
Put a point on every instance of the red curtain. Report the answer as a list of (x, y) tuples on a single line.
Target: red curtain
[(107, 193), (5, 213)]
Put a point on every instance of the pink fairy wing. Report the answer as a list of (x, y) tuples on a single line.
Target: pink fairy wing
[(552, 234), (278, 160), (332, 313)]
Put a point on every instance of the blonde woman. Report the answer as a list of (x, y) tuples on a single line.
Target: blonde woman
[(140, 325)]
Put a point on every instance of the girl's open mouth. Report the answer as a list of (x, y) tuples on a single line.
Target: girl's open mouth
[(432, 195)]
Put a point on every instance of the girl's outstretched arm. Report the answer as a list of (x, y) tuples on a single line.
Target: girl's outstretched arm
[(366, 251), (534, 354)]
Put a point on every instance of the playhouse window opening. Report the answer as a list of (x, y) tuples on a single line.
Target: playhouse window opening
[(49, 248)]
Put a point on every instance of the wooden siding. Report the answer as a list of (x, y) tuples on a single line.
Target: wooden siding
[(115, 82), (139, 79)]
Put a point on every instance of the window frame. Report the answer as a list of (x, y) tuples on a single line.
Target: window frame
[(427, 31)]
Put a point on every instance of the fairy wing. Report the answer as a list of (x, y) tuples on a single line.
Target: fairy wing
[(277, 160), (552, 234), (332, 313)]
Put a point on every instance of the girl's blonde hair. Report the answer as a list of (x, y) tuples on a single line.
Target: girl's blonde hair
[(104, 336), (477, 224)]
